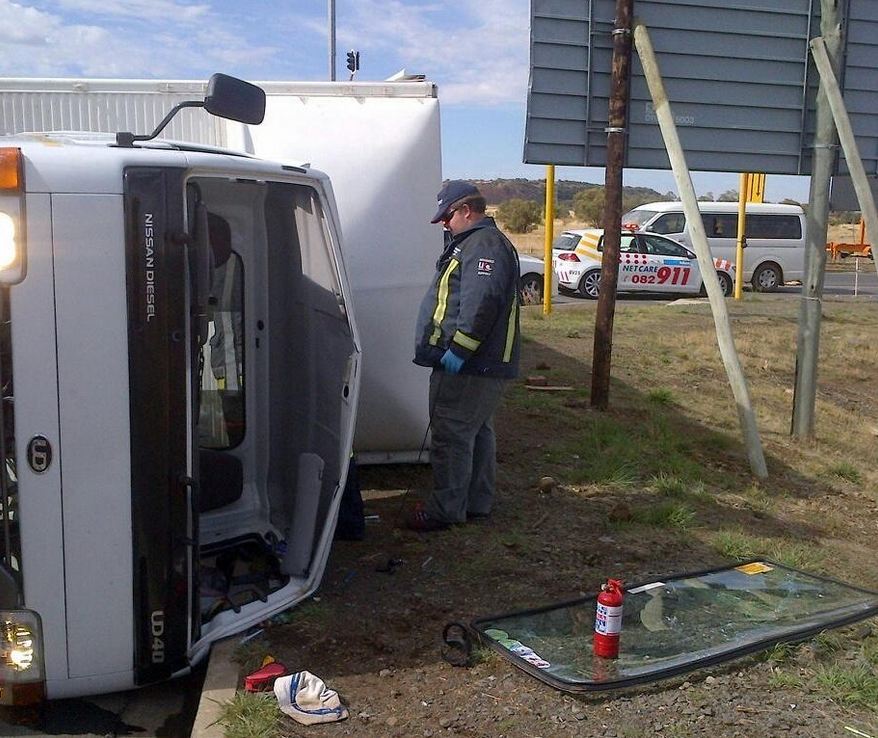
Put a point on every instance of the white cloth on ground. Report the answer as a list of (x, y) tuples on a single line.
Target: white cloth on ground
[(307, 699)]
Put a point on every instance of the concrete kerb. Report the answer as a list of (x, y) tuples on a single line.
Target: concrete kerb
[(220, 684)]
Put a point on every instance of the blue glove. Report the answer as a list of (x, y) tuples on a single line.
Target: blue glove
[(451, 362)]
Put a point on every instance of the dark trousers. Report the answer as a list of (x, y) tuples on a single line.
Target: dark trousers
[(463, 447)]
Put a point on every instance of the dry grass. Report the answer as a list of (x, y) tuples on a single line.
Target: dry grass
[(666, 365)]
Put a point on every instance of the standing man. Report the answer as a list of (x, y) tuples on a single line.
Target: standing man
[(468, 333)]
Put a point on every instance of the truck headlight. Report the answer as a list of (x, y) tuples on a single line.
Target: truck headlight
[(22, 679), (8, 247), (13, 262)]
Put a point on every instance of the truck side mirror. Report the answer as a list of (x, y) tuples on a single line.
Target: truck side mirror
[(235, 99), (227, 97)]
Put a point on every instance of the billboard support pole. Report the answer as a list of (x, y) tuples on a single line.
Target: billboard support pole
[(612, 222), (547, 245), (723, 326), (817, 223)]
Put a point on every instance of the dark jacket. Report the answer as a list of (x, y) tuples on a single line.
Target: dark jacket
[(472, 305)]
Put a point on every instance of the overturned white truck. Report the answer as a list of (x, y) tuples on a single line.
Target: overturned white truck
[(379, 143), (179, 367)]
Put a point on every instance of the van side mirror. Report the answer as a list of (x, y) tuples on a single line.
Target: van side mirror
[(227, 97)]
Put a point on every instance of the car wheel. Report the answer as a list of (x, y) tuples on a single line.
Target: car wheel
[(726, 282), (531, 288), (767, 278), (590, 284)]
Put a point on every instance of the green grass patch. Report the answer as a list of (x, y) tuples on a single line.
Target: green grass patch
[(780, 679), (735, 544), (831, 642), (758, 499), (248, 715), (668, 485), (667, 514), (660, 396), (847, 472), (312, 611), (779, 653), (855, 685)]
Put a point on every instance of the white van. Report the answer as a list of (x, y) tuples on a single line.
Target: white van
[(774, 250)]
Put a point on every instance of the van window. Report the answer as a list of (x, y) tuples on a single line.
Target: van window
[(669, 223), (774, 226), (723, 225)]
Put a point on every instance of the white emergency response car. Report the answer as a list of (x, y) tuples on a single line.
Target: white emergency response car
[(647, 263)]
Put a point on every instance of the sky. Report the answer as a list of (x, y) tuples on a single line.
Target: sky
[(476, 51)]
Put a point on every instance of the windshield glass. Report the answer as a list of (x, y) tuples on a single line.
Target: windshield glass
[(637, 217), (676, 625), (565, 242)]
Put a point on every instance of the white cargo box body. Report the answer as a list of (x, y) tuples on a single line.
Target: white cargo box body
[(379, 142)]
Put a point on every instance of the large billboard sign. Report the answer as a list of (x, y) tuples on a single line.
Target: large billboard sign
[(738, 76)]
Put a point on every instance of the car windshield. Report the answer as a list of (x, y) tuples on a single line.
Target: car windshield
[(565, 242), (637, 217), (676, 625)]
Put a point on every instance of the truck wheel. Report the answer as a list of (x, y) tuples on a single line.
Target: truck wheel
[(531, 288), (590, 284), (767, 277)]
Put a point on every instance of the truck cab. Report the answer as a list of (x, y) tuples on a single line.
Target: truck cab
[(179, 367)]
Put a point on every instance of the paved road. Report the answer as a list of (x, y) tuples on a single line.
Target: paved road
[(836, 284), (162, 710)]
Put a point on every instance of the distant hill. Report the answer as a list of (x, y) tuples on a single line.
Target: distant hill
[(501, 190)]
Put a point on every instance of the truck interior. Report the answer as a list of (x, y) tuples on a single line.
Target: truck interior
[(272, 380)]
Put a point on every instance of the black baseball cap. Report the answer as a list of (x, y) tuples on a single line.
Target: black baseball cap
[(451, 192)]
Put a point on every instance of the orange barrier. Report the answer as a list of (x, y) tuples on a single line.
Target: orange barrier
[(842, 249)]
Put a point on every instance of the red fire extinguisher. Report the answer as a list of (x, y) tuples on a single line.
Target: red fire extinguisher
[(608, 620)]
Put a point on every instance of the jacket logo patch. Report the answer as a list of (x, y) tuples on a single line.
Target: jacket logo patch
[(486, 266)]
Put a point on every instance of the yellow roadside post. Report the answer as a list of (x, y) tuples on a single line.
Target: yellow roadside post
[(547, 246), (742, 219)]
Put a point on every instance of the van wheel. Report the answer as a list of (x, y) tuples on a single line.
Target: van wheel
[(725, 281), (767, 278), (590, 284)]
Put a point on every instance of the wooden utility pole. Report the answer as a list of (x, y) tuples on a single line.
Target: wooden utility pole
[(612, 222)]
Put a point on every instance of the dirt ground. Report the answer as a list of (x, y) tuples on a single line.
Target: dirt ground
[(671, 435)]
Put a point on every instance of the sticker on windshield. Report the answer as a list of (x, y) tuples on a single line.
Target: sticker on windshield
[(757, 567)]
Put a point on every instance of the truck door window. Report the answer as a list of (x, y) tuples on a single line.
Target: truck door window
[(221, 423)]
